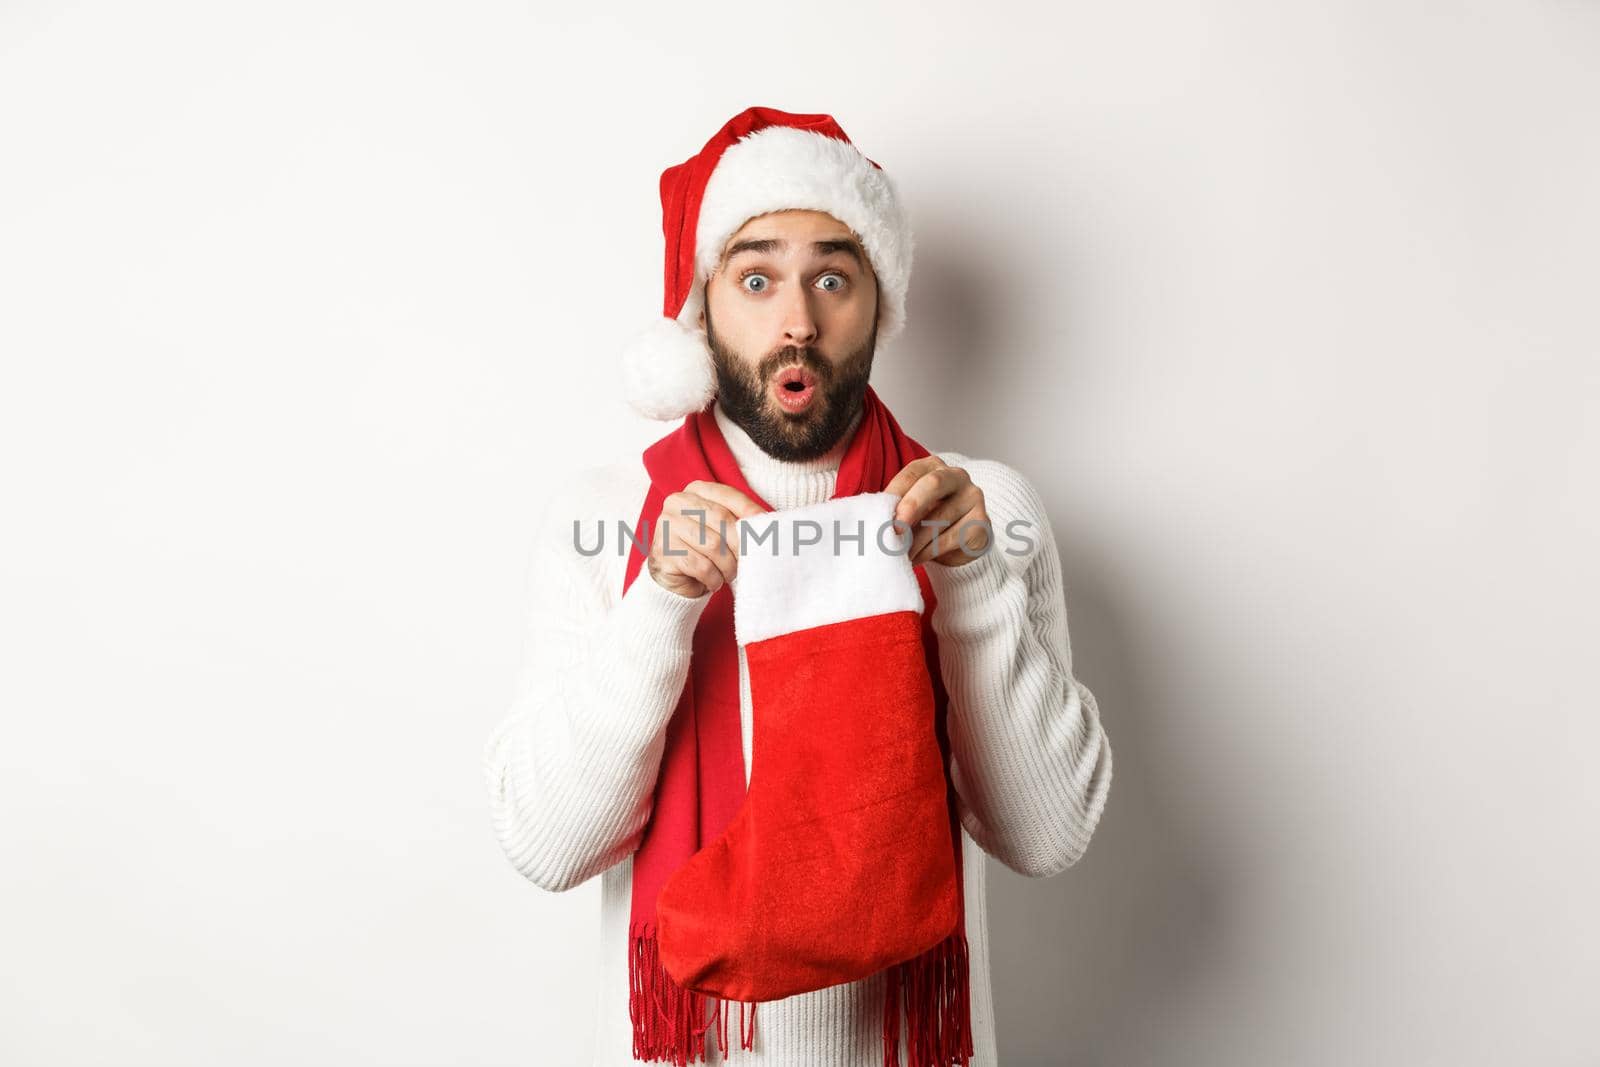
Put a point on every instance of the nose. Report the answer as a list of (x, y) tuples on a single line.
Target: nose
[(799, 324)]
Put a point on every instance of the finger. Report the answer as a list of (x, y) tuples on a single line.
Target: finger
[(910, 473), (711, 526), (710, 569), (928, 491), (729, 497), (674, 579), (668, 555), (960, 506), (706, 528), (928, 530), (723, 530), (965, 541)]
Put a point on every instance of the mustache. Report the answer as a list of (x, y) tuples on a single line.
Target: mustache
[(792, 356)]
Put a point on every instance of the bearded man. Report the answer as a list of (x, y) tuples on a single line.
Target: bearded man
[(787, 766)]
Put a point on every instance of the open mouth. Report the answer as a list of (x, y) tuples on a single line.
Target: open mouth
[(794, 387)]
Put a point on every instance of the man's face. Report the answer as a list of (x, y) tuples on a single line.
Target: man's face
[(792, 322)]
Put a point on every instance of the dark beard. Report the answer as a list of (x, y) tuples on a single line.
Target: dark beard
[(742, 392)]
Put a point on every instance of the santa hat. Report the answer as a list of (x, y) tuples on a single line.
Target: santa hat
[(763, 160)]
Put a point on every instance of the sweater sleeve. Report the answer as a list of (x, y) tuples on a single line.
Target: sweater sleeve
[(1031, 762), (571, 767)]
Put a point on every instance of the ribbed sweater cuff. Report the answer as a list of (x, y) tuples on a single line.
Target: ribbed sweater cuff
[(658, 619), (970, 593)]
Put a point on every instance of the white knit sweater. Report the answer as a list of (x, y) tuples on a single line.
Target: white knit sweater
[(571, 769)]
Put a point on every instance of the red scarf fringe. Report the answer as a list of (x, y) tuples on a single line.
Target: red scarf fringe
[(930, 991), (669, 1022)]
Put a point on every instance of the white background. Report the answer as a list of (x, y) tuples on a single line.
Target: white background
[(1287, 308)]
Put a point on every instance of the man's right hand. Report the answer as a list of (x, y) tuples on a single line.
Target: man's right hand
[(694, 541)]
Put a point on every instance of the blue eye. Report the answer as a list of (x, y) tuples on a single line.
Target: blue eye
[(836, 288), (754, 277)]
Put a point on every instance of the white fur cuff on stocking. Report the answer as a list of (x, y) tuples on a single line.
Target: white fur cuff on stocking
[(823, 563)]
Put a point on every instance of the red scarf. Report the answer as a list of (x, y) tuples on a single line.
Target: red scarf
[(701, 782)]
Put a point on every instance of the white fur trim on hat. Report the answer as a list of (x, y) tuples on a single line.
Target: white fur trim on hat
[(781, 168)]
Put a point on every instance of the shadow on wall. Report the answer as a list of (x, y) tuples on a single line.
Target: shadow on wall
[(1086, 963), (932, 376)]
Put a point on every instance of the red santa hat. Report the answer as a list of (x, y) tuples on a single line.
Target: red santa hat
[(762, 160)]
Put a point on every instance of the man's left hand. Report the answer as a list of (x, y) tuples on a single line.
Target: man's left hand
[(933, 492)]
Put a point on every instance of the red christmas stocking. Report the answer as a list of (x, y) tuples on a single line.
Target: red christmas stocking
[(840, 862)]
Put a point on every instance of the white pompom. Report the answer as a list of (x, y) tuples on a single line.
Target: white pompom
[(667, 372)]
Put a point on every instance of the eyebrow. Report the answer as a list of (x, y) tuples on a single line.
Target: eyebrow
[(772, 244)]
